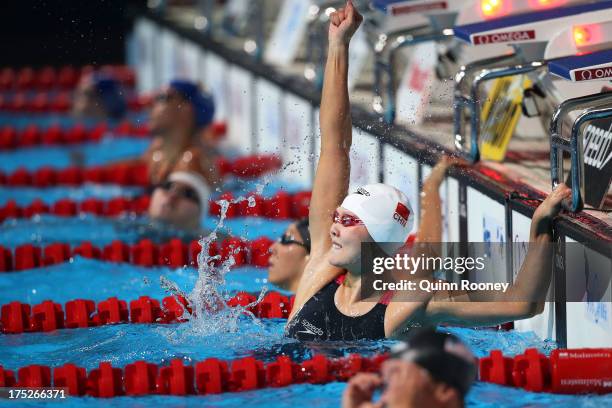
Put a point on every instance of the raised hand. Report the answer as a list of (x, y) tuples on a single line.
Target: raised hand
[(438, 172), (407, 385), (359, 391), (541, 223), (343, 24)]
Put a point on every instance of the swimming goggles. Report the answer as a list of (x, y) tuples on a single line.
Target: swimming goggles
[(286, 239), (182, 191), (346, 220)]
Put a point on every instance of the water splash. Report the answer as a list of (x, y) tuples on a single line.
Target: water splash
[(209, 312)]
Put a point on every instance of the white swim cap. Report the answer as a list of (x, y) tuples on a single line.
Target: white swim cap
[(195, 181), (385, 211)]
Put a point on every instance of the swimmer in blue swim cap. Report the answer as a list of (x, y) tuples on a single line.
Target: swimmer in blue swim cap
[(180, 113), (100, 96)]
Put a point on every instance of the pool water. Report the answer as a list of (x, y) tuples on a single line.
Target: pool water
[(20, 120), (86, 154), (123, 344)]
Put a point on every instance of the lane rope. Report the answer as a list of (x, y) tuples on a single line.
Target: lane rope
[(47, 316), (210, 376), (126, 174), (174, 253), (281, 205)]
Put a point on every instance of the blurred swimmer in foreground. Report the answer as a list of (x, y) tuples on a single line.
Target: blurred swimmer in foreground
[(432, 369), (328, 303), (99, 96)]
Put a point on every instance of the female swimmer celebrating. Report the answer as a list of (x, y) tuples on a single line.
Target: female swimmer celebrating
[(327, 303)]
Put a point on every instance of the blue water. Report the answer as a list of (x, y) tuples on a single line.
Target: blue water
[(98, 280), (25, 195), (101, 231), (106, 151), (21, 120), (123, 344)]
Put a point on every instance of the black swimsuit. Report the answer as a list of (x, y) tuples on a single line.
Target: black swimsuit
[(320, 319)]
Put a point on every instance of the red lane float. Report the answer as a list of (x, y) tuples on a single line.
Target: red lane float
[(211, 376), (125, 174), (33, 135), (249, 166), (173, 253), (69, 208), (17, 317), (566, 371), (122, 174), (56, 102), (66, 77), (279, 206)]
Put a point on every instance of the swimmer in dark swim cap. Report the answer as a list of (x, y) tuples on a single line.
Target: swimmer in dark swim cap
[(99, 96), (289, 255), (432, 369), (181, 112)]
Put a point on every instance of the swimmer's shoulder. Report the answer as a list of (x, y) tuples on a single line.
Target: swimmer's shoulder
[(156, 144), (318, 272)]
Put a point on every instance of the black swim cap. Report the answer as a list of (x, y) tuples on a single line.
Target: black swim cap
[(302, 227), (432, 350)]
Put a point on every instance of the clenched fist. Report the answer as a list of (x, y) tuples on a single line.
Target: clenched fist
[(343, 24)]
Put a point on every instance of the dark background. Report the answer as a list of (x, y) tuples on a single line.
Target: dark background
[(59, 32)]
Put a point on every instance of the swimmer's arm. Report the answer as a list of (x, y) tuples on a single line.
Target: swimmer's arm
[(428, 242), (467, 313), (522, 300), (450, 307), (332, 174), (430, 222), (429, 234), (333, 171), (526, 296), (535, 274)]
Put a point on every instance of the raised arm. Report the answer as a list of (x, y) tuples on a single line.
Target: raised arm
[(429, 235), (525, 297), (333, 171), (430, 222)]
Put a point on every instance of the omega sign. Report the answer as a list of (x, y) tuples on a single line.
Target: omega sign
[(510, 36), (593, 73)]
